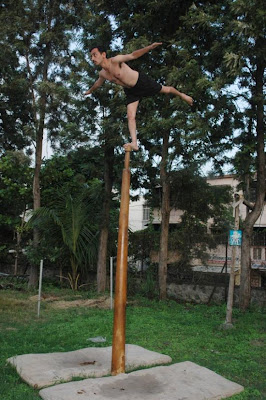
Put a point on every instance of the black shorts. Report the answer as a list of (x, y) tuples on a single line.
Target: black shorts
[(145, 87)]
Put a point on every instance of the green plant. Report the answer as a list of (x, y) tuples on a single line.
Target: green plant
[(149, 285), (66, 227)]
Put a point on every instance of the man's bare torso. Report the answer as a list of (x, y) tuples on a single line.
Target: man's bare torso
[(119, 73)]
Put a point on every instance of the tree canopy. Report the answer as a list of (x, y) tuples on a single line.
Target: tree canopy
[(213, 51)]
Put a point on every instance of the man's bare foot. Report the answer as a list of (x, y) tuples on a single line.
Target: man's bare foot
[(131, 146), (186, 98)]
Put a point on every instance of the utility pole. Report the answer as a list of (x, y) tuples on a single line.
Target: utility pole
[(230, 299)]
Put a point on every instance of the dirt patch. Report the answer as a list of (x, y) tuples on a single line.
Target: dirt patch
[(7, 303), (57, 302), (260, 342), (44, 297), (144, 385), (101, 302), (88, 363)]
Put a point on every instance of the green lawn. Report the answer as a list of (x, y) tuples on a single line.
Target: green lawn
[(183, 331)]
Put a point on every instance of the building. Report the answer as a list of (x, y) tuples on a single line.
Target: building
[(139, 214)]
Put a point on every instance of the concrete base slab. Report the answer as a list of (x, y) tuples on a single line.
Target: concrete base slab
[(40, 370), (183, 381)]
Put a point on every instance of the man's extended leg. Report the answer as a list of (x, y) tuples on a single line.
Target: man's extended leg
[(172, 90), (131, 118)]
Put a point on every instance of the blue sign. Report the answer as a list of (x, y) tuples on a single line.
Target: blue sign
[(235, 238)]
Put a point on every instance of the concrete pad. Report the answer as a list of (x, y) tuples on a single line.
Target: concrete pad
[(40, 370), (183, 381)]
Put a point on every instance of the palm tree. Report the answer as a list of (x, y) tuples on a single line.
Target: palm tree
[(68, 225)]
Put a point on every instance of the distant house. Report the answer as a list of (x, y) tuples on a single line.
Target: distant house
[(140, 215)]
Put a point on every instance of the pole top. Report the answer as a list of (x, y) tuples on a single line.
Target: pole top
[(128, 149)]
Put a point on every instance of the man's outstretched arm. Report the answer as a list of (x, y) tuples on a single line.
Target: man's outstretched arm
[(95, 86), (135, 54)]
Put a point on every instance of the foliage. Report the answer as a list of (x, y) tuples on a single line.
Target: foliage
[(80, 169), (199, 203), (182, 331), (242, 32), (42, 35), (149, 285), (174, 137), (143, 242), (15, 110), (68, 231), (15, 186), (213, 51), (15, 198)]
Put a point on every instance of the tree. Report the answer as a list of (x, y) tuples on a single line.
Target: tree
[(111, 125), (84, 168), (107, 104), (227, 38), (202, 207), (68, 226), (182, 132), (42, 34), (105, 217), (167, 128), (15, 198), (246, 61), (15, 110)]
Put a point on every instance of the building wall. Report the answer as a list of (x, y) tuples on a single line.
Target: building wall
[(175, 216), (138, 219), (230, 180)]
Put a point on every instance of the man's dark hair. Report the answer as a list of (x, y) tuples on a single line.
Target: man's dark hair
[(100, 48)]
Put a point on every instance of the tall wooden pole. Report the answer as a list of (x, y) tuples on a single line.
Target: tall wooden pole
[(119, 328)]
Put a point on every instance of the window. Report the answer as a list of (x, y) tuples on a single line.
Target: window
[(257, 253), (259, 237), (146, 213)]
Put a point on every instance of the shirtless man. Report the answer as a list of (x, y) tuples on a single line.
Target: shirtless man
[(136, 84)]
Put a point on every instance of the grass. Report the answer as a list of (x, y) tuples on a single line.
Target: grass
[(183, 331)]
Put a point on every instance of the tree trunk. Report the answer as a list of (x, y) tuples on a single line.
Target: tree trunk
[(165, 211), (33, 278), (73, 276), (102, 259), (253, 215), (245, 268), (103, 245)]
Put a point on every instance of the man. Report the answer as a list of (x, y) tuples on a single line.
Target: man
[(136, 84)]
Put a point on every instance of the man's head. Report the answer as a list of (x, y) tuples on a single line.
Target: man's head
[(98, 54)]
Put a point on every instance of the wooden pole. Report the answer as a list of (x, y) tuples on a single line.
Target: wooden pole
[(119, 328)]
